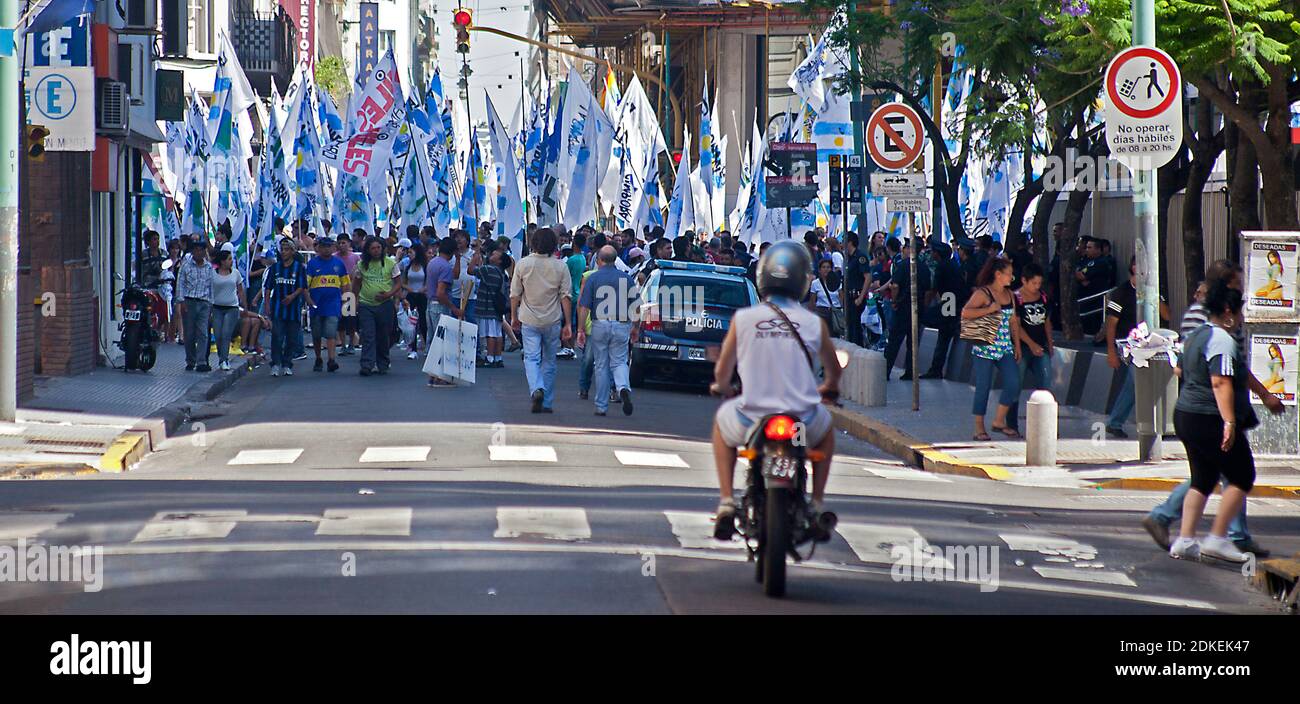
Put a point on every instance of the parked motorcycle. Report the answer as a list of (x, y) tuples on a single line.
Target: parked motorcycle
[(774, 516), (141, 328)]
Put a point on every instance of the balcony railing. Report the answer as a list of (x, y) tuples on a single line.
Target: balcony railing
[(264, 42)]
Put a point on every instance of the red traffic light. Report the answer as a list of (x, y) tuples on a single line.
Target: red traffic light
[(463, 18), (677, 158)]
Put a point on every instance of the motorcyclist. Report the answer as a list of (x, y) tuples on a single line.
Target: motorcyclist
[(760, 342)]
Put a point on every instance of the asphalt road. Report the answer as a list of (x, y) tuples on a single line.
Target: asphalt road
[(332, 493)]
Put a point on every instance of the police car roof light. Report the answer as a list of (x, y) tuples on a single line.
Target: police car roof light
[(698, 266)]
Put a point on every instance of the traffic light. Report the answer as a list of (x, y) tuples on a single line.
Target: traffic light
[(36, 135), (464, 20)]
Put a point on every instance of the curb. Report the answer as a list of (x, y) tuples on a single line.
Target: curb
[(911, 450), (133, 445), (1164, 484), (50, 471), (930, 459)]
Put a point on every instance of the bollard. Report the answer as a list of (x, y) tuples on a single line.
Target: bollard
[(1040, 429), (850, 374), (871, 378), (855, 385)]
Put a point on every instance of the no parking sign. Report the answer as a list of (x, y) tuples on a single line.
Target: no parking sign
[(1144, 109)]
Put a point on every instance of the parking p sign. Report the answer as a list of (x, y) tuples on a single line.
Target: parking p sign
[(63, 100)]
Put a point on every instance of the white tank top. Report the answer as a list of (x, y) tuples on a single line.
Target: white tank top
[(774, 373)]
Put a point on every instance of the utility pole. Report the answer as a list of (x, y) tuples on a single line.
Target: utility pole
[(1145, 201), (9, 109), (859, 140), (1147, 247)]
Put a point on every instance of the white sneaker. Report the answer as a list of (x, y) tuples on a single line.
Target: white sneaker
[(1222, 548), (1185, 549), (275, 371), (412, 355), (225, 366), (288, 371)]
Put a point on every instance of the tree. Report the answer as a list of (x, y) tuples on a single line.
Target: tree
[(1243, 55), (331, 75)]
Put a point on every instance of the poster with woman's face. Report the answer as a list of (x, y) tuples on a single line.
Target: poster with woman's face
[(1274, 360), (1273, 272)]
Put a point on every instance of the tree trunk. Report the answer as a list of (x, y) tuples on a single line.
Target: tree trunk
[(1016, 221), (1243, 193), (1172, 178), (1206, 147)]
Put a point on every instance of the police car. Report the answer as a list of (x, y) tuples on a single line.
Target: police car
[(685, 312)]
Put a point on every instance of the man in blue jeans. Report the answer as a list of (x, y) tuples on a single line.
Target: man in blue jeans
[(1121, 318), (541, 294), (608, 299)]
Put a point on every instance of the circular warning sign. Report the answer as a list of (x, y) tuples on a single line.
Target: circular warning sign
[(1144, 112), (1142, 82), (894, 136)]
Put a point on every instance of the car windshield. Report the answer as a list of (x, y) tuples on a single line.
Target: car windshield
[(733, 293)]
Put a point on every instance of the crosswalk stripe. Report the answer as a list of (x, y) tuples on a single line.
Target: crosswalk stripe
[(694, 529), (412, 453), (521, 453), (286, 456), (1080, 573), (651, 459), (21, 525), (189, 525), (910, 474), (365, 521), (550, 523), (1053, 545), (875, 543)]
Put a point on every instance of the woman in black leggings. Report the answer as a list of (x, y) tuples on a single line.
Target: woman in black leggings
[(1211, 417)]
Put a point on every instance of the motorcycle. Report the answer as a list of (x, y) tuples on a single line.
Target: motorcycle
[(140, 327), (774, 517)]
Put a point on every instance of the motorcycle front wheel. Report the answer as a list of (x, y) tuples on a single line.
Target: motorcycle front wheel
[(776, 541)]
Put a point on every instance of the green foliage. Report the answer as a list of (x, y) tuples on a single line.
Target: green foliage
[(1254, 33), (332, 76)]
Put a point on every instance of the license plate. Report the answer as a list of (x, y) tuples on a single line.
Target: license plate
[(696, 354), (777, 467), (133, 315)]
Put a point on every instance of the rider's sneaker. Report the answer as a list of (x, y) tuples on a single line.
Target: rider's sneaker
[(724, 521)]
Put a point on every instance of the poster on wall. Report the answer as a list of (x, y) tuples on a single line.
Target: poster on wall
[(1275, 359), (1273, 269)]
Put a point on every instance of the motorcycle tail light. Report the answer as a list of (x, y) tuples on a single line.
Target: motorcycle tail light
[(779, 428)]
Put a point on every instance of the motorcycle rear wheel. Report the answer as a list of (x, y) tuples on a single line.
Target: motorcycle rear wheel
[(148, 356), (776, 541)]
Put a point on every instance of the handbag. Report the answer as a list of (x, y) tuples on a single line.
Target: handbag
[(984, 329)]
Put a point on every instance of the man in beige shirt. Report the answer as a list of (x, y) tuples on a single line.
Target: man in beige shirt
[(541, 295)]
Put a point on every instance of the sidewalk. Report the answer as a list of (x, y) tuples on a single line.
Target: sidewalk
[(938, 439), (104, 421)]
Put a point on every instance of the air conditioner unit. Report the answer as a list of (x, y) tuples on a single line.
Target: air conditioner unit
[(141, 14), (113, 108)]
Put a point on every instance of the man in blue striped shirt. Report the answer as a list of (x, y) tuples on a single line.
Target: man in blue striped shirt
[(286, 288)]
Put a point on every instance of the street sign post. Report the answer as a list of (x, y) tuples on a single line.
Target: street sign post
[(793, 183), (907, 204), (897, 184), (1144, 112), (895, 136)]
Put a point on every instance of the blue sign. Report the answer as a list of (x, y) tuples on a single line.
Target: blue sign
[(55, 97), (368, 48), (64, 46)]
